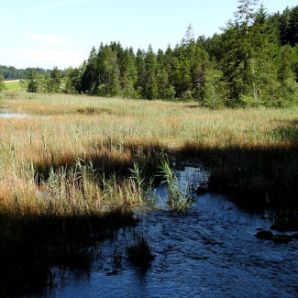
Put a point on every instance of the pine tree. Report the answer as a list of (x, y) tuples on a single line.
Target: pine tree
[(163, 86), (284, 31), (141, 73), (108, 71), (245, 13), (293, 26), (151, 66), (244, 45), (189, 36), (89, 81), (288, 91), (128, 73)]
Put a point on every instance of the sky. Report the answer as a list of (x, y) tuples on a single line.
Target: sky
[(48, 33)]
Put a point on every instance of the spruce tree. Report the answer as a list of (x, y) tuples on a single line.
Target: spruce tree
[(89, 82), (141, 73), (151, 66), (293, 26), (128, 73)]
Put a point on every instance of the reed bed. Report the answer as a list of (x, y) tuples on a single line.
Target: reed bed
[(39, 154)]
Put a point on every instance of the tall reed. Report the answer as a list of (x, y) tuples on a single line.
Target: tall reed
[(177, 199)]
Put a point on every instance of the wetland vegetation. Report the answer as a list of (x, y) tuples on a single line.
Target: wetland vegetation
[(63, 170), (84, 161)]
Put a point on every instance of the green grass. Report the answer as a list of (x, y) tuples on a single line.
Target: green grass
[(13, 85)]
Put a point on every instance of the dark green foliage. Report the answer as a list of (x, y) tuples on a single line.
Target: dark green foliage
[(1, 83), (214, 92), (54, 80), (288, 26), (73, 80), (32, 78), (12, 73), (151, 67), (243, 66)]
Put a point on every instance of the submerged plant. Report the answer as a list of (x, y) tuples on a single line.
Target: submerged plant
[(177, 199)]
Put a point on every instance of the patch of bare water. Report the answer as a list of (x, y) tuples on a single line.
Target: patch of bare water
[(12, 115), (209, 251)]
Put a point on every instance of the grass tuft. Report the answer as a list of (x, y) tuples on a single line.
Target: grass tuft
[(177, 200)]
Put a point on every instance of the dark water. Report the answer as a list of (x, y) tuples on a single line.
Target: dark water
[(210, 251)]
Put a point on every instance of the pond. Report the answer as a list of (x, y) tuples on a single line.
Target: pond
[(209, 251), (12, 115)]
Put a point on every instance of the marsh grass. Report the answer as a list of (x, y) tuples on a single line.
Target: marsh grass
[(88, 155), (178, 200)]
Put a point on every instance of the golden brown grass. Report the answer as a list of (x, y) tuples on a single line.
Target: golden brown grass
[(60, 130)]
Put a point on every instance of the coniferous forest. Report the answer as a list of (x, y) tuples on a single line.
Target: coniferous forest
[(254, 61)]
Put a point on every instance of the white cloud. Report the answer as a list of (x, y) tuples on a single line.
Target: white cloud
[(50, 40)]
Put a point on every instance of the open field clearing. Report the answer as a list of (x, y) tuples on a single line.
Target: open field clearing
[(13, 85)]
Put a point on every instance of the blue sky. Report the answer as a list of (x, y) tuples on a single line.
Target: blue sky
[(61, 33)]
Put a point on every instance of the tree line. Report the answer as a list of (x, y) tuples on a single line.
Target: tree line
[(254, 61), (12, 73)]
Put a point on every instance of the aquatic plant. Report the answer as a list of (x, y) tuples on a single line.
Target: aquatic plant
[(177, 199)]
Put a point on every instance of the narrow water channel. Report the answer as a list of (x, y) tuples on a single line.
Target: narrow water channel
[(209, 251), (12, 115)]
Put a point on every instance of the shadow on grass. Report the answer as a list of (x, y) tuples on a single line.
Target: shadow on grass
[(111, 160), (257, 177), (287, 132)]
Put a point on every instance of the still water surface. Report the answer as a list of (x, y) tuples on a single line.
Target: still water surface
[(11, 115), (210, 251)]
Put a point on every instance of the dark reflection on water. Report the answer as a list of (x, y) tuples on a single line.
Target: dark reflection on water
[(210, 251)]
